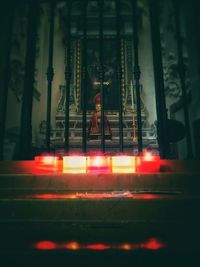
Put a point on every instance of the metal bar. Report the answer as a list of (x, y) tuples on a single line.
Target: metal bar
[(50, 74), (101, 74), (67, 75), (7, 19), (84, 78), (181, 70), (26, 111), (137, 73), (118, 28), (163, 138)]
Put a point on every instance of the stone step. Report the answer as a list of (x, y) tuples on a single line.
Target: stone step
[(159, 208), (173, 182)]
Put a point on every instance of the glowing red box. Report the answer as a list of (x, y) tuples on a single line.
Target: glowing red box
[(123, 164), (148, 163), (99, 164), (46, 163)]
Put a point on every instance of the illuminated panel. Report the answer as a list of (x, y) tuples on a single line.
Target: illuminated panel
[(123, 164), (46, 163), (74, 164), (98, 164), (148, 163)]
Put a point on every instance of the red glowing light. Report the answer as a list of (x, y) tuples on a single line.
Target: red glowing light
[(97, 246), (72, 245), (148, 163), (45, 245), (152, 244), (46, 163)]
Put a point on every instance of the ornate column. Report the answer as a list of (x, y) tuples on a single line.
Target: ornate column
[(118, 28), (162, 130), (67, 74), (84, 77), (136, 73), (181, 70), (6, 25), (50, 74), (101, 73), (26, 112)]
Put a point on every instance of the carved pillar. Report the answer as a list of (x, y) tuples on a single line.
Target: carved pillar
[(6, 25), (67, 75), (136, 73), (26, 112), (84, 78), (101, 74), (181, 70), (118, 28), (162, 130), (50, 74)]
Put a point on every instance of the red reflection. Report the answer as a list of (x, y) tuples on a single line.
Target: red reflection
[(97, 246), (45, 245), (152, 244), (125, 194), (72, 245), (126, 246)]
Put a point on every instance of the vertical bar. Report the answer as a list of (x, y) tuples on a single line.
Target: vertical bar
[(7, 19), (163, 139), (118, 25), (101, 73), (67, 75), (26, 112), (137, 73), (84, 78), (50, 74), (181, 70)]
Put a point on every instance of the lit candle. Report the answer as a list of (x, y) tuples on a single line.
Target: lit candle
[(99, 164), (148, 163), (123, 164), (46, 162), (74, 164)]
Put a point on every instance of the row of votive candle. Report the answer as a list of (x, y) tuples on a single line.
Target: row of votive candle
[(100, 164)]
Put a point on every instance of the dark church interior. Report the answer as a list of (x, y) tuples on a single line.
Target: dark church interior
[(99, 132)]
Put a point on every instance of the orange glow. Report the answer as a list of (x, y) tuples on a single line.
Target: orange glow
[(97, 246), (126, 246), (123, 164), (45, 245), (98, 164), (153, 244), (72, 245), (74, 164), (148, 156)]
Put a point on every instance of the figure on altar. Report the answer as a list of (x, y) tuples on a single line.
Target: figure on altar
[(94, 129)]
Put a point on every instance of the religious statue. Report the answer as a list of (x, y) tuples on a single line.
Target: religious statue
[(94, 129)]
